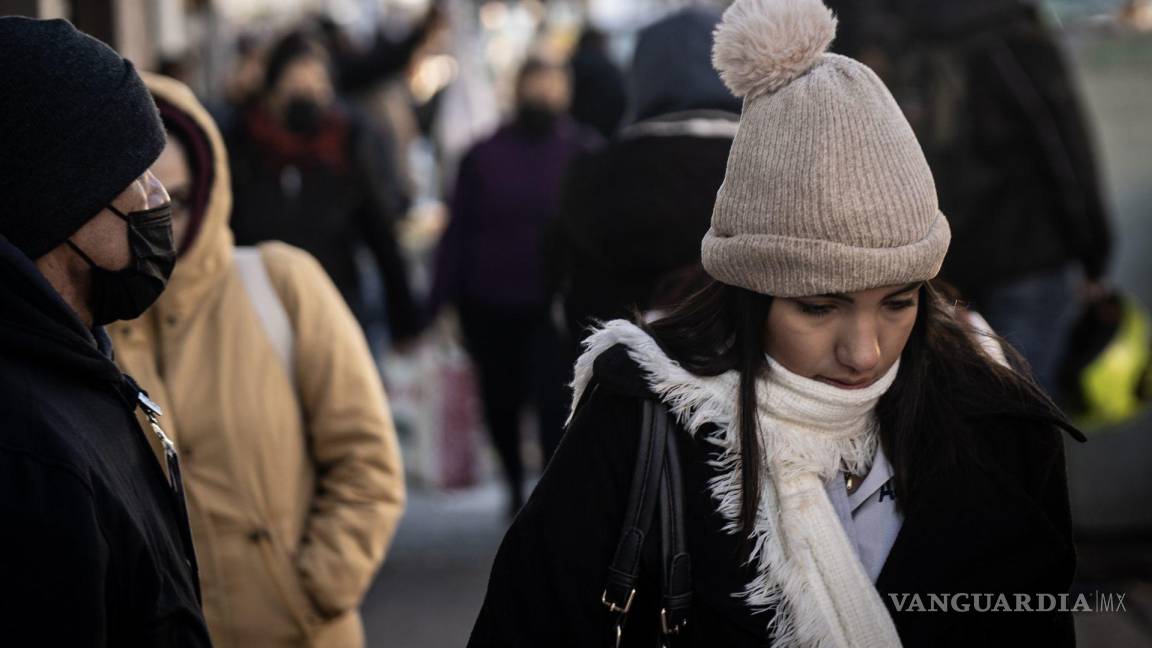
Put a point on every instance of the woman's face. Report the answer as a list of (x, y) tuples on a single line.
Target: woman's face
[(846, 340), (173, 170)]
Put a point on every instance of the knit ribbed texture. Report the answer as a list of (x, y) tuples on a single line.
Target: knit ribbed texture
[(826, 189)]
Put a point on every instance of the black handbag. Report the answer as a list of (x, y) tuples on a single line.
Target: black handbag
[(657, 482)]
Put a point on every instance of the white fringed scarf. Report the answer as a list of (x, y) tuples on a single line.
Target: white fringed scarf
[(807, 569)]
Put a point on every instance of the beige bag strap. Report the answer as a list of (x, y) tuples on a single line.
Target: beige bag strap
[(269, 308)]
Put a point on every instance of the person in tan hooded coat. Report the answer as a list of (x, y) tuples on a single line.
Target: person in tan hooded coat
[(290, 459)]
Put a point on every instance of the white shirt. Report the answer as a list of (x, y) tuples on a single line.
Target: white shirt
[(869, 515)]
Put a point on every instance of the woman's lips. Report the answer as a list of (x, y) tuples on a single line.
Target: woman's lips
[(844, 384)]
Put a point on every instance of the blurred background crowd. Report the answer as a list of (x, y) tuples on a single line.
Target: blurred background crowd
[(481, 179)]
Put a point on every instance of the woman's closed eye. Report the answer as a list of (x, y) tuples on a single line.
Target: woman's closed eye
[(900, 304), (815, 310)]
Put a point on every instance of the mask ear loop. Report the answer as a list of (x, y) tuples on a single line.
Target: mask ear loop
[(77, 250)]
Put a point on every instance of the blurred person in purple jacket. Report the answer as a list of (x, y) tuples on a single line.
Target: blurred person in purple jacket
[(491, 264)]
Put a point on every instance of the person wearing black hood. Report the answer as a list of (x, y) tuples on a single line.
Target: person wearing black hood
[(95, 548), (599, 97), (656, 182), (309, 170)]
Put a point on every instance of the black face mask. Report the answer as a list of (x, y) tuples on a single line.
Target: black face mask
[(303, 116), (126, 294), (536, 120)]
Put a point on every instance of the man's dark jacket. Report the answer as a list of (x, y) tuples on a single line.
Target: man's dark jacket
[(1002, 528), (94, 549)]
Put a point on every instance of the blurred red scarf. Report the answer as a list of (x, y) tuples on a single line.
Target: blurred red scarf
[(328, 147)]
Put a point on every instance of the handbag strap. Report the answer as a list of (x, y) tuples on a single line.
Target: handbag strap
[(656, 481), (642, 496), (677, 567)]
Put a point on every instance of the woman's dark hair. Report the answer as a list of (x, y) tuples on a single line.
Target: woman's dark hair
[(718, 329), (289, 49), (946, 382)]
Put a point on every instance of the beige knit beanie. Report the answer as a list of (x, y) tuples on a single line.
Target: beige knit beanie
[(826, 190)]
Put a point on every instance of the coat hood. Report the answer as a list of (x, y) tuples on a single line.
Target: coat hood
[(672, 67), (206, 255), (36, 324)]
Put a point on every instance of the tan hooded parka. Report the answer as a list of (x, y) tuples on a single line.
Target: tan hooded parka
[(294, 482)]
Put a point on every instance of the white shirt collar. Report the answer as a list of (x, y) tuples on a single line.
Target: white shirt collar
[(879, 475)]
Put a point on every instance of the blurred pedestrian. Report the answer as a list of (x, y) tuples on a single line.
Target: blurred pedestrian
[(292, 466), (815, 437), (490, 264), (991, 96), (656, 182), (310, 171), (599, 97), (241, 87), (359, 69), (95, 548)]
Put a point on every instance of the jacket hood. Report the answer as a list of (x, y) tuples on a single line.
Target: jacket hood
[(672, 67), (36, 324), (207, 255)]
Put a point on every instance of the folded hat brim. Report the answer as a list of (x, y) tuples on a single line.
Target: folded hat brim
[(784, 266)]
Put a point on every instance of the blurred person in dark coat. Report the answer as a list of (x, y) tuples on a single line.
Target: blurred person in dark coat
[(656, 182), (95, 548), (599, 97), (359, 69), (490, 263), (993, 100), (310, 171)]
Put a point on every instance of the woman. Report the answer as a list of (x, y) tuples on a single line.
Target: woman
[(288, 453), (847, 444), (312, 172)]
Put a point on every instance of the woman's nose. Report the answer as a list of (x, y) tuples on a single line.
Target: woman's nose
[(859, 346)]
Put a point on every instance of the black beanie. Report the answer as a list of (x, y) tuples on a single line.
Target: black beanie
[(77, 127)]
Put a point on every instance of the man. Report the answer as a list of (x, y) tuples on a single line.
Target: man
[(491, 265), (95, 548), (291, 462)]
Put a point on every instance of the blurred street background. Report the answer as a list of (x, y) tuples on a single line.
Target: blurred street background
[(443, 78)]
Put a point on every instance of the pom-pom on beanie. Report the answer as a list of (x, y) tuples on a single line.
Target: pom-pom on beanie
[(826, 189), (78, 128)]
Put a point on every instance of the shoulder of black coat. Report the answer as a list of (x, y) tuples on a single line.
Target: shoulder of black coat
[(615, 370)]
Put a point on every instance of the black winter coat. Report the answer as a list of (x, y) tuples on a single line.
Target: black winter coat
[(94, 547), (633, 214), (1004, 529), (329, 211)]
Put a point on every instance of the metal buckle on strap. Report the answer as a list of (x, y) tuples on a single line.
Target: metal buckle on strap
[(612, 607), (673, 630)]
